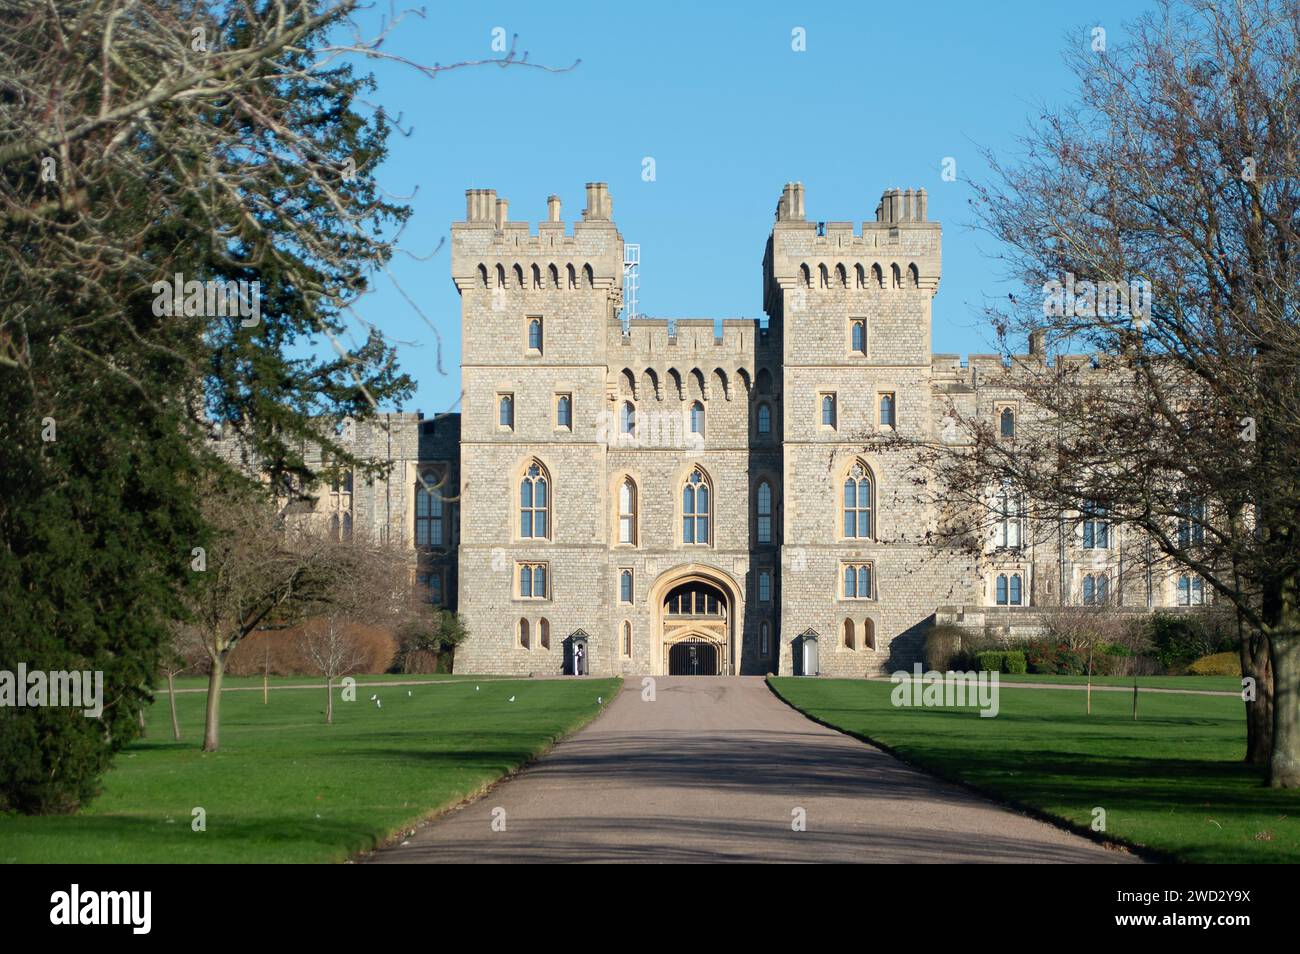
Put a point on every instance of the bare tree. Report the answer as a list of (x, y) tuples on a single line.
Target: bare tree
[(186, 642), (1086, 630), (330, 643), (370, 584), (257, 569), (1176, 177)]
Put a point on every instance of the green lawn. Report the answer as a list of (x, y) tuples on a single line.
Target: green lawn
[(1171, 782), (285, 787), (255, 682), (1206, 683)]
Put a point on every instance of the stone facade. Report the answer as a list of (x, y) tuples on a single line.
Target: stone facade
[(673, 491)]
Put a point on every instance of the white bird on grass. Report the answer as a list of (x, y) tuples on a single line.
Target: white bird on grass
[(408, 692), (600, 701), (511, 699), (379, 703), (373, 698)]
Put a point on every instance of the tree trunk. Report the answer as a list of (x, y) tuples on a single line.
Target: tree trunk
[(212, 728), (1255, 662), (1284, 762), (1089, 680), (329, 700), (140, 714), (171, 697)]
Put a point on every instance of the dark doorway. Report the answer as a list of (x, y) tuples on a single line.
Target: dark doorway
[(693, 657)]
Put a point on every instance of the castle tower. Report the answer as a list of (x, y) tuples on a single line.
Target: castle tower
[(854, 313), (534, 312)]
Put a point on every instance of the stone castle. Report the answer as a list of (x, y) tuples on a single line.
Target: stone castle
[(701, 496)]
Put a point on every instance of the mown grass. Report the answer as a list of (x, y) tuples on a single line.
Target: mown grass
[(1205, 683), (255, 682), (285, 787), (1172, 782)]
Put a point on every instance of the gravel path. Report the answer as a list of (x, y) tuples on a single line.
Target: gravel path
[(716, 769)]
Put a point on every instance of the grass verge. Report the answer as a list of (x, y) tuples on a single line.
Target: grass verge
[(285, 787), (1172, 782)]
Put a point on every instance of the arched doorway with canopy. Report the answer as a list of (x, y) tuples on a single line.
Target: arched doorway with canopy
[(695, 622)]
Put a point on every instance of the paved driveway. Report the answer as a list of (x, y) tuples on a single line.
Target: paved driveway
[(714, 770)]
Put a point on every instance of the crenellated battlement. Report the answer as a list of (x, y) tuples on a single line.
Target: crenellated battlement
[(900, 250), (490, 251), (976, 370), (647, 338)]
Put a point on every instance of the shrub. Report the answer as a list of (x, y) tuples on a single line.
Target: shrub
[(280, 652), (1051, 658), (1180, 638), (1013, 662), (1216, 664), (427, 643), (990, 660), (974, 642), (943, 645)]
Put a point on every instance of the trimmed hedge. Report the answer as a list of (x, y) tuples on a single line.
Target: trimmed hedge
[(1216, 664), (1002, 660)]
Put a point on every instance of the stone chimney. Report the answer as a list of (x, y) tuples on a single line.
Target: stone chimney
[(599, 206), (790, 208), (901, 205), (503, 216), (1038, 342), (553, 208), (480, 205)]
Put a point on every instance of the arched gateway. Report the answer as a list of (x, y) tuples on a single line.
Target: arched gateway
[(694, 622)]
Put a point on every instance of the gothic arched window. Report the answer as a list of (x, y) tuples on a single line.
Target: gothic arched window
[(1007, 422), (857, 502), (697, 418), (763, 502), (428, 511), (534, 503), (696, 508), (627, 511), (887, 410)]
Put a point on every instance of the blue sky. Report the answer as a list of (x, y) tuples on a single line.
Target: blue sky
[(729, 112)]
